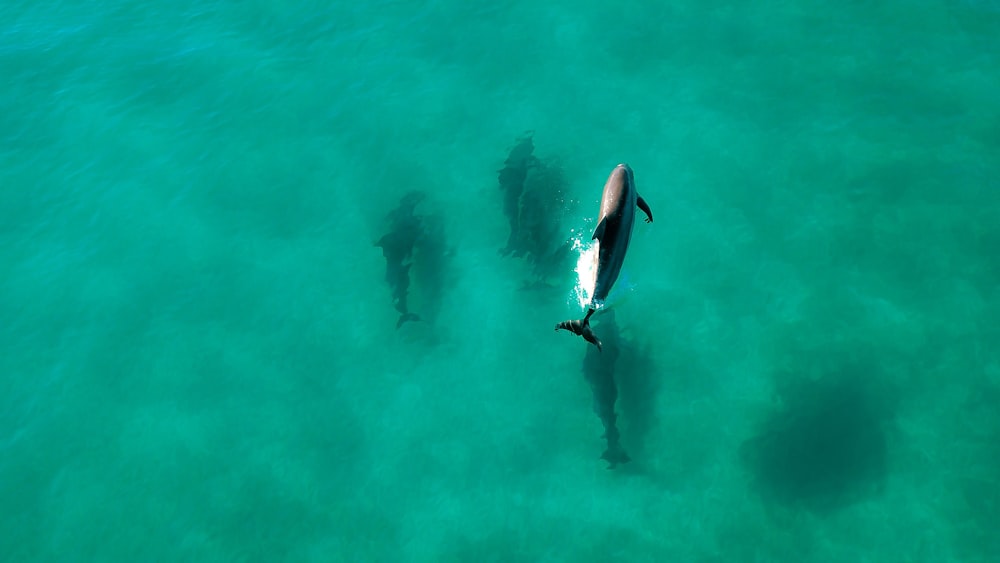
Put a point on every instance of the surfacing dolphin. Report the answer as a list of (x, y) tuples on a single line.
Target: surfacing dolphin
[(613, 233)]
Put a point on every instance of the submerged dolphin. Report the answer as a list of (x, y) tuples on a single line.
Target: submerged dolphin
[(512, 177), (613, 232), (397, 247)]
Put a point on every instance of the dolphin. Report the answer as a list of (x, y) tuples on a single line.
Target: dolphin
[(613, 233), (512, 177), (397, 247)]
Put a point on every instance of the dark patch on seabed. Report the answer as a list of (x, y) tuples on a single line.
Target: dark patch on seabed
[(824, 447)]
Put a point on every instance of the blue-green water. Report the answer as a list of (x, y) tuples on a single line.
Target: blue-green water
[(199, 353)]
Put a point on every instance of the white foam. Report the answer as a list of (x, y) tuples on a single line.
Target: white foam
[(586, 269)]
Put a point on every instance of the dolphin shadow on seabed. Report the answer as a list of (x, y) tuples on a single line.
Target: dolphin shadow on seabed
[(414, 247), (620, 369)]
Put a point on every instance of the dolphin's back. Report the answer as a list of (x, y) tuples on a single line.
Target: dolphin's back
[(614, 229)]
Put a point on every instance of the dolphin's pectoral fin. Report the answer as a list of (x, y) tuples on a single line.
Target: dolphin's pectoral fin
[(645, 209), (599, 231)]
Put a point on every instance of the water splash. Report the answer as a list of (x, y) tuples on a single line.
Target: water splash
[(586, 269), (587, 252)]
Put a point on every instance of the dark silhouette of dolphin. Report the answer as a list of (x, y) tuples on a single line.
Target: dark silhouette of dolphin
[(535, 200), (613, 233), (397, 245), (599, 371), (512, 177)]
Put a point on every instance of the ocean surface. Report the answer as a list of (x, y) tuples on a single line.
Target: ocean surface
[(199, 352)]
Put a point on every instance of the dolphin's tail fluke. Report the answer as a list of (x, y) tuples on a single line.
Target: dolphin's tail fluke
[(615, 455), (406, 317), (582, 328)]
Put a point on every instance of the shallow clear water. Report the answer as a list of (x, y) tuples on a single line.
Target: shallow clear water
[(199, 353)]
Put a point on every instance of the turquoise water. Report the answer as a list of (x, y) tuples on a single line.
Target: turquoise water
[(199, 353)]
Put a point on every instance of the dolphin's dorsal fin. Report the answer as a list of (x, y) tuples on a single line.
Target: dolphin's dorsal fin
[(599, 231)]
